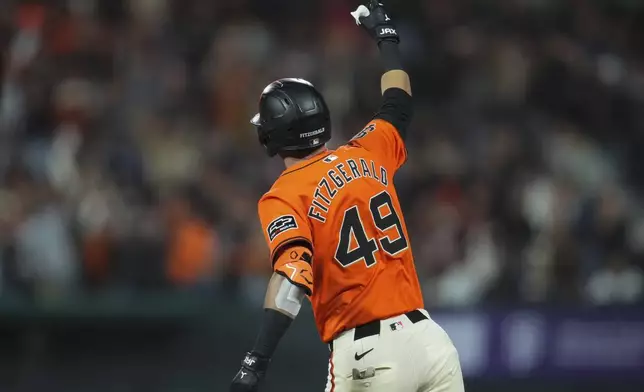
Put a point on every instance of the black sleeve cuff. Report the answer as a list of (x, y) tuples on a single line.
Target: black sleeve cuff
[(397, 109)]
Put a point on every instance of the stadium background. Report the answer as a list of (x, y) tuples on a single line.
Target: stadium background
[(131, 259)]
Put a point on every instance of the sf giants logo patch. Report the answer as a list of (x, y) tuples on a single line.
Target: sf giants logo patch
[(368, 129), (280, 225)]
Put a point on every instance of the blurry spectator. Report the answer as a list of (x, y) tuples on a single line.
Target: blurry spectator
[(602, 228), (618, 282), (45, 250), (22, 50), (251, 264), (171, 151), (95, 216), (9, 216), (470, 278), (468, 281), (564, 282), (192, 244)]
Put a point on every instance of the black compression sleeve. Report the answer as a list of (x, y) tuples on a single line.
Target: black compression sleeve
[(390, 55), (273, 327), (397, 108)]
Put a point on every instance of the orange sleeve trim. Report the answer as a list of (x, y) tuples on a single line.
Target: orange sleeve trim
[(295, 265), (279, 247)]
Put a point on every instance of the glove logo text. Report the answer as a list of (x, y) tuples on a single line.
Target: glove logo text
[(387, 31)]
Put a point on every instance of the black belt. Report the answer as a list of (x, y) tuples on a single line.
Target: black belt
[(372, 328)]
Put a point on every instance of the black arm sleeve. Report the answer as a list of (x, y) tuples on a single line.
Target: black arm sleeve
[(397, 109), (273, 327), (390, 55)]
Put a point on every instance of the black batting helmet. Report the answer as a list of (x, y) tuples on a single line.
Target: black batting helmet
[(292, 116)]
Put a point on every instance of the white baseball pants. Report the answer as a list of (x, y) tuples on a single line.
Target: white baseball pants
[(403, 357)]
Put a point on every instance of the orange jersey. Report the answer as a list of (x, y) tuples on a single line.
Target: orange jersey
[(343, 205)]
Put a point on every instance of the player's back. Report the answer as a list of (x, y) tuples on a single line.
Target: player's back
[(347, 208)]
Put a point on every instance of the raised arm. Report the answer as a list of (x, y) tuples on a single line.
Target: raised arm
[(396, 109), (374, 19)]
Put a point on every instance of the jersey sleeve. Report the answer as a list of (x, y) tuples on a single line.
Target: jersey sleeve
[(382, 138), (295, 265), (283, 224)]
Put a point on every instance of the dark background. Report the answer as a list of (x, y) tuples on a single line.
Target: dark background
[(131, 258)]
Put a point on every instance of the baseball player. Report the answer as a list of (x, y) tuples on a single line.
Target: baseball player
[(336, 235)]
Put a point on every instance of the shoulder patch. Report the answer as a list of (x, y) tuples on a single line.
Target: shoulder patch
[(280, 225)]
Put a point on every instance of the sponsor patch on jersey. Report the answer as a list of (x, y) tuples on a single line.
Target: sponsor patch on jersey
[(280, 225)]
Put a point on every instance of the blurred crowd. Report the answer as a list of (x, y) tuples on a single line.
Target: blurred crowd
[(127, 160)]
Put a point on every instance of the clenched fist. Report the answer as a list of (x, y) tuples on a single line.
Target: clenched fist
[(375, 20)]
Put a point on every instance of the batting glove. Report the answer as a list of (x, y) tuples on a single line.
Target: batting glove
[(253, 370), (375, 20)]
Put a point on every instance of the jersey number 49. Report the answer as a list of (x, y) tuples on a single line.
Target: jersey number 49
[(365, 248)]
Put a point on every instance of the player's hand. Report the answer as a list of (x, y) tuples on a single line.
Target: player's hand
[(252, 371), (376, 21)]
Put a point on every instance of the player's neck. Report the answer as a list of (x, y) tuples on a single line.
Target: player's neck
[(290, 161)]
